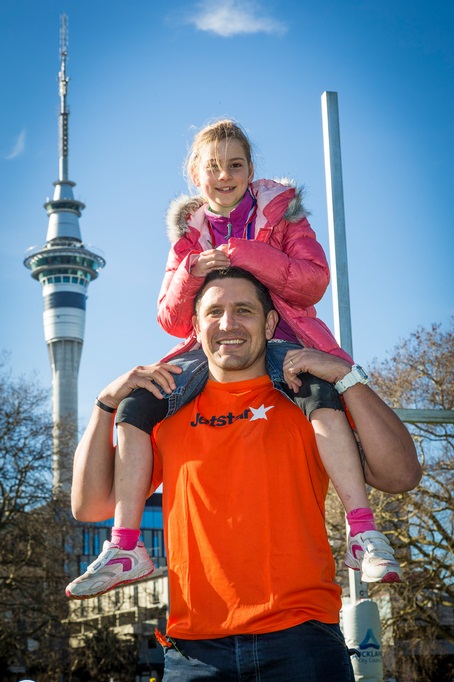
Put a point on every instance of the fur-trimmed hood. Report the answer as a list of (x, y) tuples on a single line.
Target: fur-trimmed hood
[(265, 191)]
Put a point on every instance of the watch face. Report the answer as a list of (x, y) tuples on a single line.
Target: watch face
[(361, 372)]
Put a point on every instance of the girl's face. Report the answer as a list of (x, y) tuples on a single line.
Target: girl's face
[(223, 175)]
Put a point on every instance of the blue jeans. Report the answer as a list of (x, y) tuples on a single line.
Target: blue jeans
[(310, 652), (195, 364), (143, 410)]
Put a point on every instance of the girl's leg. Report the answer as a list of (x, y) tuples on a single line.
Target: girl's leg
[(137, 416), (339, 454), (125, 559), (368, 550), (133, 470)]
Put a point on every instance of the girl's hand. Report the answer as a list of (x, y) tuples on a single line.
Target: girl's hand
[(224, 248), (322, 365), (141, 376), (214, 259)]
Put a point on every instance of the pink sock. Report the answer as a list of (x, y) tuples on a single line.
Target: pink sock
[(360, 520), (126, 538)]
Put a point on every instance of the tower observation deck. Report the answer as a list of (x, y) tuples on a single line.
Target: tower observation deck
[(64, 266)]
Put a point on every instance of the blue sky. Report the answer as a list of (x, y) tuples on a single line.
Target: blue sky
[(146, 74)]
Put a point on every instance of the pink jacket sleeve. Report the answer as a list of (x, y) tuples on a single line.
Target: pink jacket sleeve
[(292, 264), (178, 291)]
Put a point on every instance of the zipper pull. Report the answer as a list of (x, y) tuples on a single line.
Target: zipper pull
[(229, 230)]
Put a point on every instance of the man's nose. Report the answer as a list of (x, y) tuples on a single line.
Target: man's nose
[(227, 321)]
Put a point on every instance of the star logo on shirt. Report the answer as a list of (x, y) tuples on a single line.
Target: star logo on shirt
[(260, 412)]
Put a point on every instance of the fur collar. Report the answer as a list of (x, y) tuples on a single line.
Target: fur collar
[(185, 205)]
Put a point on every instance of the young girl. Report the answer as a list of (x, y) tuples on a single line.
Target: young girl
[(260, 226)]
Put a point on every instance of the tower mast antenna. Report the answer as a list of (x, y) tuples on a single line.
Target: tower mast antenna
[(64, 111), (64, 35)]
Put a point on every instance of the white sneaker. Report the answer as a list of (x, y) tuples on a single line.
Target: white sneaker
[(113, 567), (371, 553)]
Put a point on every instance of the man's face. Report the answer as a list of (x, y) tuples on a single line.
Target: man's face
[(233, 331)]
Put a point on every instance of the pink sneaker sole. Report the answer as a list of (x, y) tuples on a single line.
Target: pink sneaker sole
[(70, 595), (391, 578)]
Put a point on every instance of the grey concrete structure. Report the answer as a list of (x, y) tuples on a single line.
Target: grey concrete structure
[(64, 266)]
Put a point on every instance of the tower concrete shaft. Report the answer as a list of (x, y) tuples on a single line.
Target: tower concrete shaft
[(64, 266)]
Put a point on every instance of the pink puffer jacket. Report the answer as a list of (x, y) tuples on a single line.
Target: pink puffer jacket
[(284, 255)]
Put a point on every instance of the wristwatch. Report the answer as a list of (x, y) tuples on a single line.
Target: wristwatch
[(357, 376)]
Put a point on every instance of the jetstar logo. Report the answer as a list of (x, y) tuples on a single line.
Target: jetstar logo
[(254, 413)]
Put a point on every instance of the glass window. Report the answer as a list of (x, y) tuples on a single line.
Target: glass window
[(96, 549), (147, 539), (86, 541), (152, 518), (158, 549)]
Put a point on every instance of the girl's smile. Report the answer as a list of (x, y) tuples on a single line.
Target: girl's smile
[(223, 175)]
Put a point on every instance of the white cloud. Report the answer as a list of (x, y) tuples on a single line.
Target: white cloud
[(18, 147), (228, 18)]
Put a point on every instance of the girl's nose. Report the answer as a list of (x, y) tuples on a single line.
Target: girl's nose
[(223, 174)]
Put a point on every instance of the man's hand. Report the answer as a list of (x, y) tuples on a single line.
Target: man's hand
[(213, 259), (322, 365), (141, 376)]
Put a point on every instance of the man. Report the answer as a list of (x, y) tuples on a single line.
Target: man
[(251, 575)]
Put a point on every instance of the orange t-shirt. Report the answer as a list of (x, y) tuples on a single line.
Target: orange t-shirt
[(243, 504)]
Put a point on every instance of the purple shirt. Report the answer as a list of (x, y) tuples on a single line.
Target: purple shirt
[(222, 227)]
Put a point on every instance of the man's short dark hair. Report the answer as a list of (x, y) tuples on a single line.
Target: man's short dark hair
[(236, 273)]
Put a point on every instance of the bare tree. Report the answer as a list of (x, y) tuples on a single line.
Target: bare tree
[(107, 656), (419, 618), (33, 527), (420, 524)]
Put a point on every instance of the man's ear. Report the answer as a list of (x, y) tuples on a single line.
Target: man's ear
[(271, 323), (195, 324)]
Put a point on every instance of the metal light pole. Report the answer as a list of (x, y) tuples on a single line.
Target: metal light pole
[(361, 618)]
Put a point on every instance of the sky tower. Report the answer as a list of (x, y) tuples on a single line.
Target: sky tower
[(64, 266)]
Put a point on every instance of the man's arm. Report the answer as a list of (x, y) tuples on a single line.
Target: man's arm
[(92, 493), (391, 462)]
